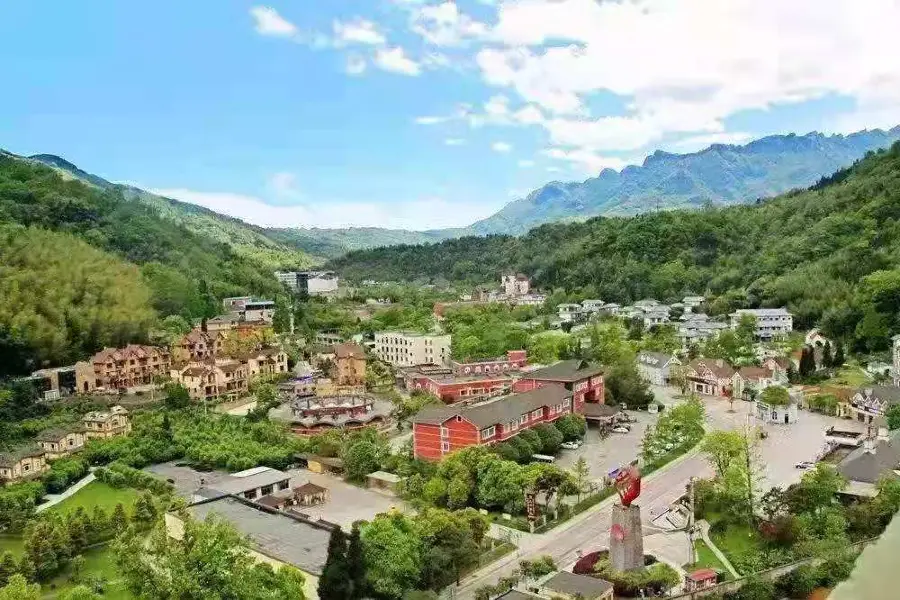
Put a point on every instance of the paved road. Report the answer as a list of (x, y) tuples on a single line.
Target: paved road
[(54, 499), (785, 446)]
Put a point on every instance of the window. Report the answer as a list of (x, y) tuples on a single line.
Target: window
[(536, 413), (266, 490), (445, 446), (488, 432), (511, 426), (445, 432), (523, 419)]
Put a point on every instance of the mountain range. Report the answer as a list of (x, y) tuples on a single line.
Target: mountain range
[(720, 174)]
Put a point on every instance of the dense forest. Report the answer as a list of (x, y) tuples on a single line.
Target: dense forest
[(829, 253), (63, 298)]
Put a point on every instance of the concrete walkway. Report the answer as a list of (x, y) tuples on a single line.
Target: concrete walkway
[(54, 499), (703, 526)]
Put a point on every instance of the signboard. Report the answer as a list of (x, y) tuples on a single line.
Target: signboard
[(531, 506)]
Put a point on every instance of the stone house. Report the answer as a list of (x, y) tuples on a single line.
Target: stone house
[(122, 368), (22, 464), (60, 442), (349, 365), (107, 423)]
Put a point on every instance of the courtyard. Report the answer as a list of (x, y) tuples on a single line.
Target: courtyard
[(346, 502)]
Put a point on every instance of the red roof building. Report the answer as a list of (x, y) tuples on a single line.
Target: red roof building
[(584, 380), (440, 430), (700, 579), (514, 361)]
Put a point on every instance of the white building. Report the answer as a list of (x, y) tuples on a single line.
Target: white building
[(592, 306), (312, 283), (569, 313), (656, 315), (693, 302), (530, 300), (655, 367), (515, 285), (404, 349), (259, 310), (771, 323), (697, 328)]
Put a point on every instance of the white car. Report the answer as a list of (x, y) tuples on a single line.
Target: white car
[(573, 445), (621, 429)]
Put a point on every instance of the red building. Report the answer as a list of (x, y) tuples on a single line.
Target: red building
[(514, 361), (440, 430), (577, 376), (451, 388)]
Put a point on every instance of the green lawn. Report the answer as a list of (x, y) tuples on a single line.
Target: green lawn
[(850, 376), (100, 562), (706, 559), (94, 494), (738, 541), (11, 543)]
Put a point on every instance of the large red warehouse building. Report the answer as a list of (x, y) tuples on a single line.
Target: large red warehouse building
[(584, 380)]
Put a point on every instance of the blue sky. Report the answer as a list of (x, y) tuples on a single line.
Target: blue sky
[(423, 113)]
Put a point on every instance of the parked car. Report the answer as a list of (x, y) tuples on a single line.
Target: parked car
[(573, 445), (805, 465), (621, 429)]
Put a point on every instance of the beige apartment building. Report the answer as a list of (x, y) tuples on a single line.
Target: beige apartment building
[(121, 368), (404, 349)]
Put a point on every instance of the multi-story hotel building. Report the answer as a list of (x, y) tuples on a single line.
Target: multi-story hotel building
[(122, 368), (403, 349)]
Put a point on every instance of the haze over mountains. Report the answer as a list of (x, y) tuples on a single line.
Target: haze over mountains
[(720, 174)]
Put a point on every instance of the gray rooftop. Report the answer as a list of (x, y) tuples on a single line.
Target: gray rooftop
[(572, 585), (239, 485), (517, 595), (285, 538), (502, 410), (654, 359), (567, 371), (888, 394), (866, 466)]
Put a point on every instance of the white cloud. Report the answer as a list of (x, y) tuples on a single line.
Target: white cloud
[(454, 142), (284, 185), (588, 161), (396, 61), (417, 214), (501, 147), (683, 67), (497, 107), (359, 31), (355, 65), (268, 22), (431, 120), (444, 25), (552, 169), (525, 164), (529, 115)]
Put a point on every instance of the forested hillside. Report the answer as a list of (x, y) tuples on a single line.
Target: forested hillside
[(245, 239), (832, 254), (180, 272)]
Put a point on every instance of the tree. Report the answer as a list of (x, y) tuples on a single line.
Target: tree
[(394, 552), (551, 438), (572, 427), (145, 512), (41, 550), (626, 386), (335, 584), (211, 560), (8, 567), (775, 395), (581, 472), (80, 592), (816, 490), (893, 417), (78, 526), (19, 589), (449, 546), (177, 396), (362, 458), (356, 565), (76, 568), (838, 360), (807, 362), (499, 483), (119, 520), (723, 448), (827, 358)]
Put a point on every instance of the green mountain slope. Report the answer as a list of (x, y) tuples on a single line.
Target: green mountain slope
[(245, 239), (722, 174), (182, 272), (830, 253), (332, 243)]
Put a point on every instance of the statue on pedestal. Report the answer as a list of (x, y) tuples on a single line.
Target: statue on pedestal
[(626, 540)]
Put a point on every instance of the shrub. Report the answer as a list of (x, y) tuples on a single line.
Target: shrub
[(119, 475), (63, 473)]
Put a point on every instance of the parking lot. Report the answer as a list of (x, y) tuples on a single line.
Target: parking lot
[(613, 451), (346, 503)]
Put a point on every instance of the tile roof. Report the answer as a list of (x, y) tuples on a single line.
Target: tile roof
[(567, 371), (55, 434), (309, 488), (349, 350), (654, 359), (239, 485), (868, 466), (497, 411), (571, 584), (9, 459), (755, 373), (888, 394), (718, 367), (289, 539)]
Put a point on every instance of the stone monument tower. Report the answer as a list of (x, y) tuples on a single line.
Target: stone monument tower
[(626, 540)]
